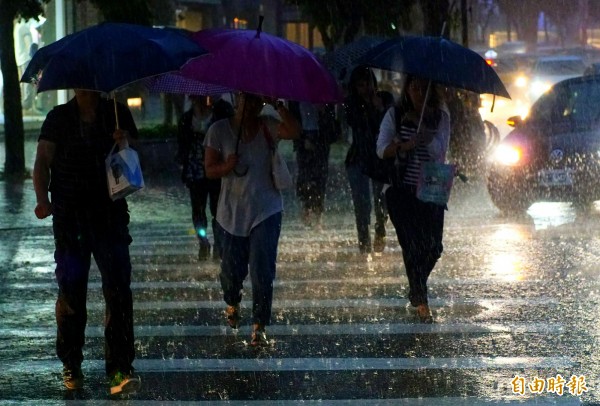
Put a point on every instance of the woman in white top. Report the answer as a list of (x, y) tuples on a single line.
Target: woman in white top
[(238, 150), (419, 225)]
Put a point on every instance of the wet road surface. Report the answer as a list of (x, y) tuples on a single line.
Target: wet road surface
[(515, 300)]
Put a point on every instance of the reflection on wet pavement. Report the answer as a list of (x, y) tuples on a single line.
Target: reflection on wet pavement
[(512, 296)]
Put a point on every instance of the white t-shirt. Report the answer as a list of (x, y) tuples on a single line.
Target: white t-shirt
[(244, 201)]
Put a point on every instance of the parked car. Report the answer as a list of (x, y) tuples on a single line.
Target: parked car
[(553, 154)]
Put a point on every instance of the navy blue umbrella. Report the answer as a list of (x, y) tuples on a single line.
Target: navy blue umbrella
[(437, 59), (341, 61), (109, 56)]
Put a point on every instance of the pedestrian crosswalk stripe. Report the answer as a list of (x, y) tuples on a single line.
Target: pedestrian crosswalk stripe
[(146, 365), (48, 305), (314, 329), (375, 281)]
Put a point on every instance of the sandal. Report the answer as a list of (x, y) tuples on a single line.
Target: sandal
[(233, 316), (424, 314), (259, 336)]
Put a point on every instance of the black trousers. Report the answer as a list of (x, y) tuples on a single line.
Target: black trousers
[(205, 191), (104, 235), (313, 169), (419, 227)]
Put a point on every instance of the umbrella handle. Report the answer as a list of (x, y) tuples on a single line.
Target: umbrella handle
[(116, 114)]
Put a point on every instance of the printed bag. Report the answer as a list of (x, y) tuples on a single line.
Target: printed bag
[(435, 182), (123, 172)]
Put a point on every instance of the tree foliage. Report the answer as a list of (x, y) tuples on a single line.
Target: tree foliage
[(340, 21), (130, 11)]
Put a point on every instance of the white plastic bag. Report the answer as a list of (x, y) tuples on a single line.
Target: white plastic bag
[(123, 172)]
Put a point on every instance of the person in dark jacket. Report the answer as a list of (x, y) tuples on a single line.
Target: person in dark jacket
[(364, 111), (319, 131), (74, 142), (192, 128)]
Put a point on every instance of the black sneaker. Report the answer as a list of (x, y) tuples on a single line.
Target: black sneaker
[(124, 384), (204, 251), (379, 243), (72, 377)]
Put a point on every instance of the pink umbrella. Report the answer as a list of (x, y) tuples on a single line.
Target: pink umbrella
[(259, 63)]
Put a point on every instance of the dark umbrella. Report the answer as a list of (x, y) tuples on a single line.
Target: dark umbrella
[(437, 59), (178, 84), (343, 59), (109, 56)]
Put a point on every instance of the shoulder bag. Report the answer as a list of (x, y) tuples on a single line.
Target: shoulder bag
[(280, 174), (435, 182)]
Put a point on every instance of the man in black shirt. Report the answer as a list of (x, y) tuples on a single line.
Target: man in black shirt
[(74, 142)]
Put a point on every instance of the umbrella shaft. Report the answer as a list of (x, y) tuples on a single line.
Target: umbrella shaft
[(424, 105)]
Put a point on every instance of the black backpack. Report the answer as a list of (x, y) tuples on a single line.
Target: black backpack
[(380, 170)]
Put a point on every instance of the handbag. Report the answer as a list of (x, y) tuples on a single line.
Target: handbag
[(435, 182), (280, 174), (123, 172)]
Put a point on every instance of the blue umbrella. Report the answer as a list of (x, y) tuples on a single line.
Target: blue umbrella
[(437, 59), (109, 56)]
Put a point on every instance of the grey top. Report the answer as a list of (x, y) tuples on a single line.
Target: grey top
[(244, 201)]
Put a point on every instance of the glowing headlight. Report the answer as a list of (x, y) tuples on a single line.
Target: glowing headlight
[(508, 155), (521, 81), (538, 87)]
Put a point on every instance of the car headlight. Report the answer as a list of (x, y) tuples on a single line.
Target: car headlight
[(508, 155), (540, 87), (521, 81)]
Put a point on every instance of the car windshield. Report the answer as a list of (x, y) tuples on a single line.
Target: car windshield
[(575, 106), (566, 67)]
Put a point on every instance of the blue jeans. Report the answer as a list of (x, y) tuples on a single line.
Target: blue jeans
[(258, 254), (360, 186)]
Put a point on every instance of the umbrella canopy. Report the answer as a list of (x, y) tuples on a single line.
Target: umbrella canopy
[(437, 59), (256, 62), (178, 84), (342, 60), (108, 56)]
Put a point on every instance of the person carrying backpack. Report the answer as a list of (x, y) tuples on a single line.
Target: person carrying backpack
[(364, 111)]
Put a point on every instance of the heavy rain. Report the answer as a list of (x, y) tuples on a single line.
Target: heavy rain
[(508, 314)]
